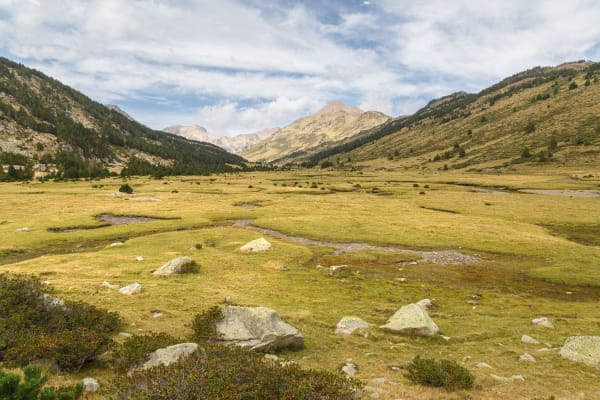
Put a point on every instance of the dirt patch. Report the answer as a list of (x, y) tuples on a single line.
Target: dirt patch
[(444, 257), (594, 194)]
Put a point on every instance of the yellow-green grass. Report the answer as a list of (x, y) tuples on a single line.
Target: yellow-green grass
[(519, 277)]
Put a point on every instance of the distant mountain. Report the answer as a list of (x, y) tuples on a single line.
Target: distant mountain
[(542, 115), (48, 126), (235, 144), (333, 123)]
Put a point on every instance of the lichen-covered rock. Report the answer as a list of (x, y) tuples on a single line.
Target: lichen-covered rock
[(529, 340), (177, 265), (349, 324), (90, 385), (585, 349), (256, 246), (411, 320), (169, 355), (257, 328)]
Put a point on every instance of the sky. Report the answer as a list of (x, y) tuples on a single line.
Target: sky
[(237, 66)]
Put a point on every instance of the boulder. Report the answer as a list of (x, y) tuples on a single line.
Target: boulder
[(529, 340), (257, 328), (90, 385), (256, 246), (169, 355), (129, 290), (349, 324), (411, 320), (543, 322), (349, 369), (585, 349), (426, 304), (177, 265)]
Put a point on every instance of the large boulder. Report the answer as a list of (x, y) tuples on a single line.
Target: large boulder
[(256, 246), (169, 355), (411, 320), (585, 349), (177, 265), (257, 328), (349, 324)]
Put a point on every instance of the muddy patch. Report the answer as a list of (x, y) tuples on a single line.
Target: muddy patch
[(443, 257), (109, 220), (593, 194)]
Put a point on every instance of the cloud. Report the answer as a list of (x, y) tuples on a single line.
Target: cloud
[(251, 64)]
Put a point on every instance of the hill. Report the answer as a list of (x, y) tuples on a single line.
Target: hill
[(235, 144), (545, 114), (335, 122), (48, 128)]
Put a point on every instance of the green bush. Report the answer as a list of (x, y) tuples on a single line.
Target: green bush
[(32, 387), (220, 373), (447, 374), (34, 325), (125, 188), (204, 324), (135, 349)]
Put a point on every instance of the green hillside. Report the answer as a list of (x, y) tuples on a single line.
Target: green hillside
[(48, 128)]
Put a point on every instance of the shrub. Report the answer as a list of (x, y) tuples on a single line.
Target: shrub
[(33, 325), (447, 374), (530, 127), (32, 387), (135, 349), (220, 373), (204, 324), (573, 85), (326, 164), (125, 188)]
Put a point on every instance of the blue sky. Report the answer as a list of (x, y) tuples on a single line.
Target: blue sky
[(239, 66)]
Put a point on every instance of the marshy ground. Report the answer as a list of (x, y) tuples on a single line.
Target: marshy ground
[(525, 255)]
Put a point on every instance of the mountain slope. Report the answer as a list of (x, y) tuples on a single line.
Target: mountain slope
[(235, 144), (333, 123), (45, 122), (549, 114)]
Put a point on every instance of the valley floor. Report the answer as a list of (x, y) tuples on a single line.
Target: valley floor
[(526, 254)]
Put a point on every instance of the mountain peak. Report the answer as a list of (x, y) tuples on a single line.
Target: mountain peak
[(337, 106)]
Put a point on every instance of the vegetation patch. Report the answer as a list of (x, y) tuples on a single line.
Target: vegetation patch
[(587, 234), (445, 373), (135, 349), (204, 324), (32, 387)]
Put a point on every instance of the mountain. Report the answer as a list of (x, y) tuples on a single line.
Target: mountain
[(48, 126), (333, 123), (235, 144), (542, 115)]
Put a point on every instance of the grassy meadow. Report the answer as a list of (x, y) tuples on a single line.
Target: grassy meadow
[(539, 256)]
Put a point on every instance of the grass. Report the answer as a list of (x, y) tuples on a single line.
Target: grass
[(525, 272)]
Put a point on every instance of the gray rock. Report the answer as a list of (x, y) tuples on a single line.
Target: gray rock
[(51, 302), (139, 258), (349, 324), (23, 230), (527, 357), (257, 328), (483, 365), (109, 286), (411, 320), (529, 340), (169, 355), (132, 289), (177, 265), (349, 369), (543, 322), (377, 381), (585, 349), (117, 244), (256, 246), (271, 357), (90, 385), (508, 379), (228, 299)]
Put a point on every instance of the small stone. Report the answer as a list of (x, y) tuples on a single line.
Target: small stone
[(509, 379), (483, 365), (228, 299), (466, 358), (24, 229), (350, 369), (426, 304), (47, 283), (125, 334), (472, 302), (156, 314), (527, 357), (349, 324), (529, 340), (90, 385), (446, 338), (543, 322), (271, 357), (117, 244), (256, 246), (139, 258), (377, 381), (132, 289), (375, 395), (109, 286)]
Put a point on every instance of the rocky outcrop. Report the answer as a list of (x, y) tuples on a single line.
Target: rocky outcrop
[(177, 265), (411, 320), (256, 246), (169, 355), (234, 144), (257, 328), (585, 349)]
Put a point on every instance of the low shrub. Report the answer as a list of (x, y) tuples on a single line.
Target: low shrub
[(125, 188), (134, 350), (32, 387), (445, 373), (204, 324), (35, 325), (220, 373)]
